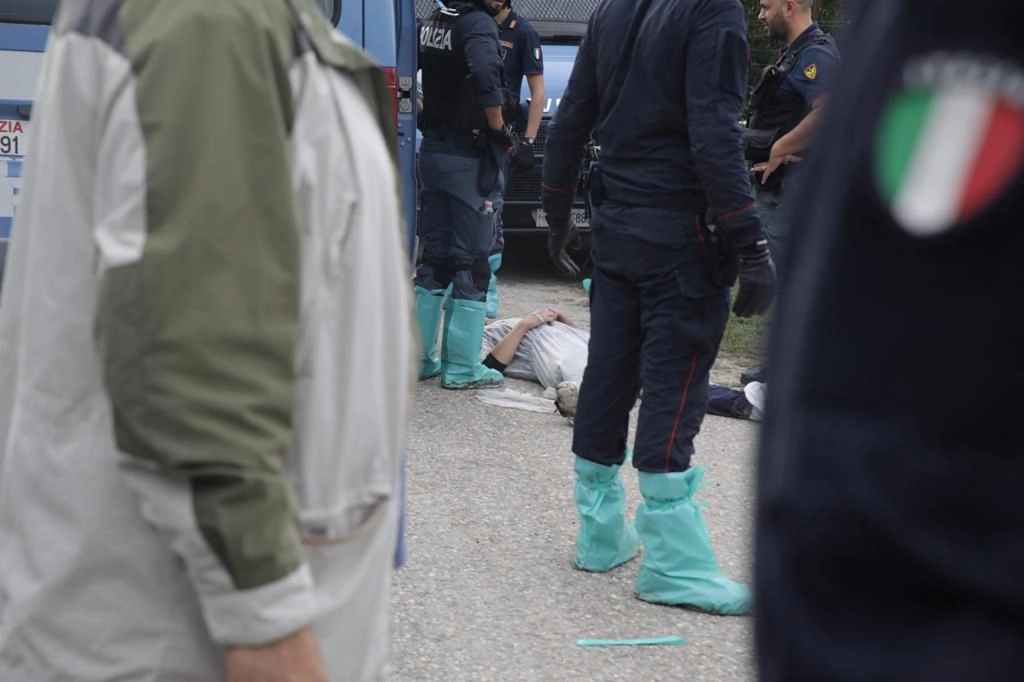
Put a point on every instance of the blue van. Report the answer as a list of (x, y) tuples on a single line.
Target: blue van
[(561, 25), (385, 28)]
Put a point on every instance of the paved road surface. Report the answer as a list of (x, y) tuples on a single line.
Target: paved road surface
[(488, 593)]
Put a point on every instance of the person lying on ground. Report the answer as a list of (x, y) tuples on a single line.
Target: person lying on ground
[(544, 346)]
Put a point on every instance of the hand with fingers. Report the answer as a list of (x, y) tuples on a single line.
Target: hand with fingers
[(540, 317)]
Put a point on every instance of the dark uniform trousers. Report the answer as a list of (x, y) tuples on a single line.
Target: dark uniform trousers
[(653, 295), (459, 205)]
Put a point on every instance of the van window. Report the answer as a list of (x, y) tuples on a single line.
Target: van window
[(27, 11), (332, 10)]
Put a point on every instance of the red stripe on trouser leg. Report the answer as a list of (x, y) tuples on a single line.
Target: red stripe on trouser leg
[(679, 414)]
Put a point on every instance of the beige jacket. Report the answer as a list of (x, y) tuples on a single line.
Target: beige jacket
[(205, 347)]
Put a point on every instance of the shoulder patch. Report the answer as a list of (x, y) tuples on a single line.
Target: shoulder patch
[(811, 71), (950, 143), (537, 54)]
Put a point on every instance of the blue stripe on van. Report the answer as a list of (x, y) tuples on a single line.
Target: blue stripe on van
[(5, 227), (10, 167), (24, 37)]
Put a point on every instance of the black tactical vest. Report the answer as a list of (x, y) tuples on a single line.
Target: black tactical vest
[(769, 120)]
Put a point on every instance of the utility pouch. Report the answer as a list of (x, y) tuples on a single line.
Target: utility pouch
[(757, 144), (492, 160)]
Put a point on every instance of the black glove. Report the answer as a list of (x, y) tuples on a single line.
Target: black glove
[(757, 280), (502, 137), (523, 160), (561, 233)]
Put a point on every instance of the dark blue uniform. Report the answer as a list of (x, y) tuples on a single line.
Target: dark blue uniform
[(810, 63), (670, 151), (890, 538), (522, 56), (461, 180), (461, 165), (520, 50)]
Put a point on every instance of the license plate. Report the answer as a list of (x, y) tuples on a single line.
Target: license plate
[(578, 216), (13, 137)]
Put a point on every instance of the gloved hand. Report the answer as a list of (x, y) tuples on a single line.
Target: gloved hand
[(502, 137), (523, 160), (561, 233), (757, 280)]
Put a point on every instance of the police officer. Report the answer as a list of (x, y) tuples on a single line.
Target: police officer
[(523, 57), (785, 108), (661, 85), (889, 534), (465, 145)]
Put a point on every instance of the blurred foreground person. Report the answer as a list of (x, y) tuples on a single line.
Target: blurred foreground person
[(890, 525), (205, 345), (660, 84)]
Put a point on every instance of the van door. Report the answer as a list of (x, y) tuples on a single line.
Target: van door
[(387, 30)]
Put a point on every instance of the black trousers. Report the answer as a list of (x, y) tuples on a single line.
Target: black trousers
[(657, 318)]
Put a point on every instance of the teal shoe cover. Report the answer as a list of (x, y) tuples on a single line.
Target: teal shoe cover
[(604, 540), (679, 566), (460, 347), (428, 319), (494, 260)]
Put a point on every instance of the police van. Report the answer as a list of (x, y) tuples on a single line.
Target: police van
[(385, 28), (561, 25)]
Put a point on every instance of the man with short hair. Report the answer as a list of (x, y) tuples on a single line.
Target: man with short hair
[(787, 104), (785, 107)]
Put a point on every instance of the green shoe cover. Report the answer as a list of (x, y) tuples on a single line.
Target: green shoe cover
[(428, 319), (460, 347), (494, 260), (604, 540), (679, 567)]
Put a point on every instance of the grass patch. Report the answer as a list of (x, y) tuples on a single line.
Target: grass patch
[(744, 338)]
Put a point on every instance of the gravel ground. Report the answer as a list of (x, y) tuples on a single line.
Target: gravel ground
[(488, 592)]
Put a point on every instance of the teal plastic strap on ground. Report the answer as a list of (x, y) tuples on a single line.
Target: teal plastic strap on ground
[(645, 641)]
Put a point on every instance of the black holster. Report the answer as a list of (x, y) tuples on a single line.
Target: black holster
[(492, 160)]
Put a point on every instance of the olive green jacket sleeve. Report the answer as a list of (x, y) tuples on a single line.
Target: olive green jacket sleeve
[(197, 323)]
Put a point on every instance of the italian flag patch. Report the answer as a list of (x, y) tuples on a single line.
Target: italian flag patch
[(536, 53), (945, 153)]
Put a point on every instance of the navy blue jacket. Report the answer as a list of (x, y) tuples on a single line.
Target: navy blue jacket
[(463, 73), (890, 542), (671, 137)]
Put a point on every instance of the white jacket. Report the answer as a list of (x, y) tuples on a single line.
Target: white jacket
[(205, 347)]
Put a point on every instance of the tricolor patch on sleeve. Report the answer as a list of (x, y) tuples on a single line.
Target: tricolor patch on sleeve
[(536, 53), (945, 153)]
